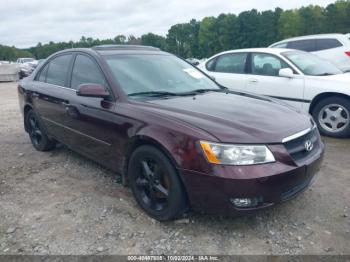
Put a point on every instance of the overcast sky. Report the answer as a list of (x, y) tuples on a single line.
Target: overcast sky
[(24, 23)]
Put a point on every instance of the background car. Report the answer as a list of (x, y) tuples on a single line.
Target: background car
[(193, 61), (28, 61), (301, 79), (333, 47), (26, 66)]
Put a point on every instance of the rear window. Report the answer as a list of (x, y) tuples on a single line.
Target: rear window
[(42, 75), (230, 63), (324, 44), (58, 70), (308, 45)]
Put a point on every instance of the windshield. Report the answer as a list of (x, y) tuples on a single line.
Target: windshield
[(163, 74), (310, 64)]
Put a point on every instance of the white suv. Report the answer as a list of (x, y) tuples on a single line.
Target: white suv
[(333, 47)]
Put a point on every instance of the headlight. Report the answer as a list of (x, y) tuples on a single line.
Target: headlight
[(236, 154)]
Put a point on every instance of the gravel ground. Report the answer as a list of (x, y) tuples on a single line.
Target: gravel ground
[(61, 203)]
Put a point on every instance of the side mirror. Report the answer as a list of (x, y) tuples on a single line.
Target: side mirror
[(92, 90), (286, 72)]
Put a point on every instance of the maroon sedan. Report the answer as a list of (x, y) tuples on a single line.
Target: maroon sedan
[(176, 137)]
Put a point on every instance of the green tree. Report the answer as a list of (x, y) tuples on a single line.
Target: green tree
[(289, 24), (154, 40)]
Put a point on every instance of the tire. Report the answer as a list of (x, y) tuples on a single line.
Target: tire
[(332, 116), (155, 184), (37, 133)]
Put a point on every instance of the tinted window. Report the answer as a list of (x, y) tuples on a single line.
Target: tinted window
[(85, 71), (210, 65), (58, 70), (323, 44), (231, 63), (304, 45), (42, 76), (268, 65)]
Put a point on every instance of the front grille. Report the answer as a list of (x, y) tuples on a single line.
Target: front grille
[(296, 147)]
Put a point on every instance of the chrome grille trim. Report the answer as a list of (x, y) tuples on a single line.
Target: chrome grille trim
[(297, 135)]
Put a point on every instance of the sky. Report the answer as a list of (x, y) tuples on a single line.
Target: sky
[(24, 23)]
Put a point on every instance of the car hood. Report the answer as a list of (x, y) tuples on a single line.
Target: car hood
[(234, 118)]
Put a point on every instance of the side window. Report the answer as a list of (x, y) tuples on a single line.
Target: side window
[(266, 65), (85, 70), (231, 63), (282, 45), (323, 44), (58, 70), (43, 73), (210, 65), (304, 45)]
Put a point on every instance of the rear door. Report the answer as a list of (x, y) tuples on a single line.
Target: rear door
[(307, 45), (263, 78), (334, 51), (51, 94), (229, 70)]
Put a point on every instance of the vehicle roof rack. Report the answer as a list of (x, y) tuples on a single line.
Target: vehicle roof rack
[(125, 47)]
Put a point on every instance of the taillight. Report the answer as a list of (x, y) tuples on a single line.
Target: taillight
[(347, 53)]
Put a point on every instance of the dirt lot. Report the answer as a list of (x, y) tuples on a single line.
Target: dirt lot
[(61, 203)]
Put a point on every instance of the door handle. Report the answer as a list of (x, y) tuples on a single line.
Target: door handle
[(35, 95), (253, 80), (71, 111)]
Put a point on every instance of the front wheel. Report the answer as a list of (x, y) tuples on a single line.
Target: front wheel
[(37, 134), (332, 116), (156, 184)]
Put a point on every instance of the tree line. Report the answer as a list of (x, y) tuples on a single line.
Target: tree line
[(215, 34)]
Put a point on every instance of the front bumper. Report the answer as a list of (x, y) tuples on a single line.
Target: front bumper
[(271, 183)]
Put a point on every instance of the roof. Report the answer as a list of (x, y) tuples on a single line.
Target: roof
[(336, 35), (114, 49), (263, 49), (125, 47)]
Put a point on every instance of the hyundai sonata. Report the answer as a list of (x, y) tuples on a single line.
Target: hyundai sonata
[(177, 138)]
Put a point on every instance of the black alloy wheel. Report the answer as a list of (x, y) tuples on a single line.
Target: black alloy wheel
[(156, 184), (37, 134)]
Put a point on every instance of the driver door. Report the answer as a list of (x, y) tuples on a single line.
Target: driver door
[(92, 122)]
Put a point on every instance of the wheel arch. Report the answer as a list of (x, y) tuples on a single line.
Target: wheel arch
[(26, 109), (325, 95), (141, 140)]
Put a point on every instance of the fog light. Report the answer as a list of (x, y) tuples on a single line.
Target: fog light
[(245, 202)]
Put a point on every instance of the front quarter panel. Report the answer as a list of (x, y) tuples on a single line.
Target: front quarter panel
[(315, 85), (179, 140)]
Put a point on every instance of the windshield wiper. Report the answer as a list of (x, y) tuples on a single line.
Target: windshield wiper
[(165, 93), (325, 74), (201, 91), (153, 94)]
